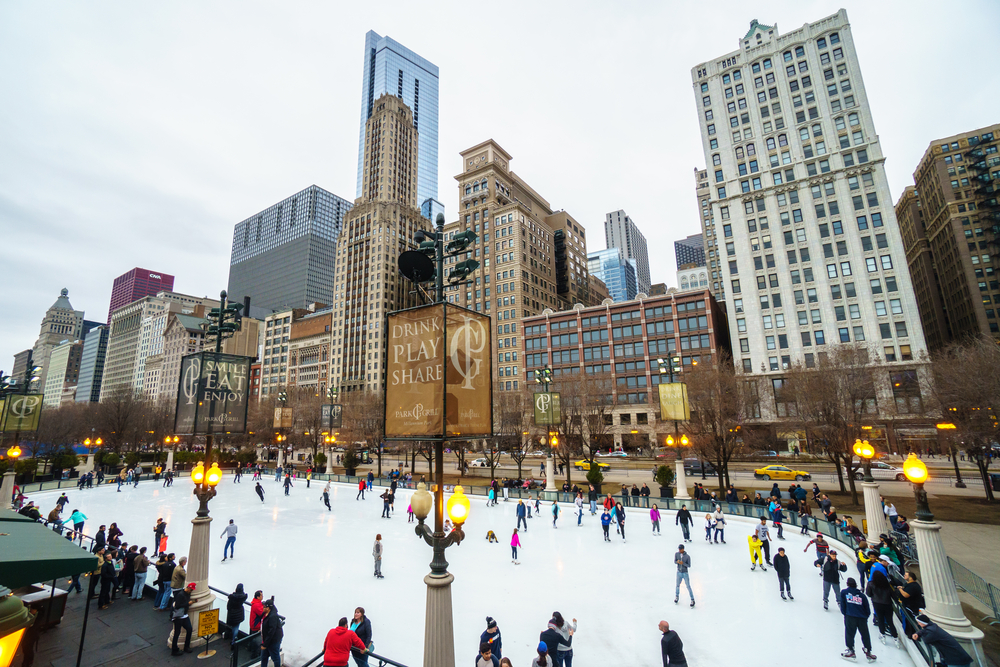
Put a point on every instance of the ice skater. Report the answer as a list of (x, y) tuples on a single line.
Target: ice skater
[(491, 498), (491, 537), (230, 534), (831, 577), (260, 491), (685, 521), (377, 554), (654, 516), (409, 513), (755, 556), (361, 489), (288, 483), (520, 511), (326, 496), (720, 525), (854, 606), (709, 525), (515, 542), (538, 505), (579, 508), (606, 524), (683, 561), (555, 513), (782, 568), (620, 517), (385, 504), (761, 532), (822, 549)]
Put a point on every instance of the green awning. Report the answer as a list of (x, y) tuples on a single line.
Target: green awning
[(30, 553)]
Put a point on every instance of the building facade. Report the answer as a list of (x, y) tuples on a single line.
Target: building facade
[(136, 284), (690, 251), (598, 291), (709, 238), (950, 224), (379, 227), (285, 256), (619, 344), (64, 372), (184, 335), (95, 347), (615, 271), (810, 249), (621, 232), (692, 278), (392, 69), (61, 323), (531, 257)]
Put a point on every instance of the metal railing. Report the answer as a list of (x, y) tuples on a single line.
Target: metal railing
[(382, 661), (245, 646), (968, 581)]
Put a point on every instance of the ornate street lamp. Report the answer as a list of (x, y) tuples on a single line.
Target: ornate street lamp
[(680, 441), (14, 619), (916, 472), (439, 630), (865, 452), (874, 515), (7, 487)]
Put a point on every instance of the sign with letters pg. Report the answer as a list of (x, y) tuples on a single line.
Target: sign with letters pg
[(547, 408), (332, 416), (21, 412), (212, 394), (440, 373)]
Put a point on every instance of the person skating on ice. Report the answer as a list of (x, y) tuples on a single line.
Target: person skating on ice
[(782, 568), (831, 577), (760, 530), (260, 491), (230, 534), (606, 524), (685, 521), (579, 508), (385, 504), (326, 496), (822, 549), (854, 606), (592, 498), (288, 483), (709, 525), (362, 485), (620, 516), (755, 556), (520, 511), (720, 525), (654, 516), (555, 513), (515, 542), (377, 555), (683, 562)]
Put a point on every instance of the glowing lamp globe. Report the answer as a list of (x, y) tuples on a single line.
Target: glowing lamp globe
[(863, 449), (14, 452), (198, 473), (421, 501), (458, 507), (914, 469), (685, 441), (214, 475), (670, 441)]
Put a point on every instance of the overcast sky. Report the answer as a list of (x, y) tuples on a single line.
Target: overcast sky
[(138, 133)]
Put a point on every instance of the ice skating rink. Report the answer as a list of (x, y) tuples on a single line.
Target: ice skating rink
[(319, 567)]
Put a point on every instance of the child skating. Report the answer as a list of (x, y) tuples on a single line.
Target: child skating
[(654, 516), (515, 542), (709, 525), (606, 524)]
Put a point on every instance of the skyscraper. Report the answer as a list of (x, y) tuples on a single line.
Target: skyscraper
[(690, 251), (136, 284), (809, 245), (951, 226), (95, 347), (391, 68), (284, 257), (60, 323), (615, 271), (621, 232)]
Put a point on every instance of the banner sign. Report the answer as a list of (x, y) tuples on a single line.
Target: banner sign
[(332, 416), (212, 394), (283, 418), (547, 409), (439, 381), (674, 402), (21, 412)]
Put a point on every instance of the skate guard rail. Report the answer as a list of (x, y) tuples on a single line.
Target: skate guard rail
[(382, 662)]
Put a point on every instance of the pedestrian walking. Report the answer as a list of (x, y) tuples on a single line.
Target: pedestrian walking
[(831, 577), (685, 521), (654, 516), (891, 514), (230, 534), (854, 606), (720, 525), (755, 556), (362, 627), (520, 512), (671, 647), (180, 619), (260, 491), (879, 591), (949, 650), (235, 613), (683, 562), (140, 566), (491, 636), (377, 554), (760, 530), (782, 568), (606, 524), (326, 496)]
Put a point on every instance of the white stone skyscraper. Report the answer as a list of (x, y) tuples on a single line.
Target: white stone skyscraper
[(803, 226), (621, 232)]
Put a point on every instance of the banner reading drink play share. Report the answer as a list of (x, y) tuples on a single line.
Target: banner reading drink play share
[(439, 373)]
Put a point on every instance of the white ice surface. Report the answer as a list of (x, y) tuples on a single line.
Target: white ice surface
[(319, 567)]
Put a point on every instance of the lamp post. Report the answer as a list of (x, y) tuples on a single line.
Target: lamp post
[(874, 515), (14, 620), (205, 482), (330, 441), (543, 378), (948, 426), (679, 441), (439, 630), (940, 593), (7, 488), (172, 442)]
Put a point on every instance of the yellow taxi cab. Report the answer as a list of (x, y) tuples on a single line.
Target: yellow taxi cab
[(780, 472)]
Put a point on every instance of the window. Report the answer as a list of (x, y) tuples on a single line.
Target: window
[(845, 335), (871, 264), (859, 334), (905, 387), (886, 262), (831, 270), (896, 306), (876, 286), (819, 337), (900, 329), (855, 311), (845, 268)]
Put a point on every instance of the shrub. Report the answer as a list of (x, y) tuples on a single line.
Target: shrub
[(664, 476)]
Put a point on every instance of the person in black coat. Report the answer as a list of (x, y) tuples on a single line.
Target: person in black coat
[(179, 616), (362, 627), (950, 651), (101, 539), (671, 647), (107, 581), (685, 521), (235, 613), (271, 633), (781, 566)]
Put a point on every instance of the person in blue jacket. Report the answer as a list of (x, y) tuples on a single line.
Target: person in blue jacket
[(606, 524), (521, 510), (491, 636), (854, 606)]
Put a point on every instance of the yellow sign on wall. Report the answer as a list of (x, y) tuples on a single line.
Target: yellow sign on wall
[(674, 402)]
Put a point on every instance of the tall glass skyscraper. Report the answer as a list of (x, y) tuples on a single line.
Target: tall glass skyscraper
[(617, 272), (392, 68)]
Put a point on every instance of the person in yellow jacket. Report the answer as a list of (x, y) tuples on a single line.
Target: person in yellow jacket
[(755, 555), (865, 560)]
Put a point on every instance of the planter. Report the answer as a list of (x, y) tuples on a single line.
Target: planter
[(666, 492), (351, 472)]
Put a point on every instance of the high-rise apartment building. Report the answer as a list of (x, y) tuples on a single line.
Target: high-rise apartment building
[(621, 232), (61, 323), (807, 236), (690, 251), (615, 271), (95, 347), (63, 372), (284, 257), (598, 290), (136, 284), (376, 230), (951, 224), (531, 257), (709, 237), (297, 345), (392, 69)]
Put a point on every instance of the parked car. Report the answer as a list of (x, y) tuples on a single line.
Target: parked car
[(694, 467), (881, 470), (765, 454), (481, 463), (780, 472), (584, 464)]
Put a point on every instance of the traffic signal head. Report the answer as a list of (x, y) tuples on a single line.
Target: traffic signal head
[(429, 248), (461, 241), (462, 270)]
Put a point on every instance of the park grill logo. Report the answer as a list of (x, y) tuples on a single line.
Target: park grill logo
[(212, 394), (22, 412), (438, 373)]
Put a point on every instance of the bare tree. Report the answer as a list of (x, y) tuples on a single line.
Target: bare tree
[(966, 388), (509, 421), (119, 417), (588, 403)]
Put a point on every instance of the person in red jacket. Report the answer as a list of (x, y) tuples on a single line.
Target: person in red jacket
[(362, 485), (337, 647)]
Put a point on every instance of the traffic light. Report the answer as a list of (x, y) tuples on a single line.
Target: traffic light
[(461, 241), (462, 270)]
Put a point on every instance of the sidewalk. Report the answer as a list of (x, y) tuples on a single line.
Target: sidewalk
[(126, 633), (975, 547)]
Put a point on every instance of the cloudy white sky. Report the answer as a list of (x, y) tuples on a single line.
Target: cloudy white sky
[(138, 133)]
